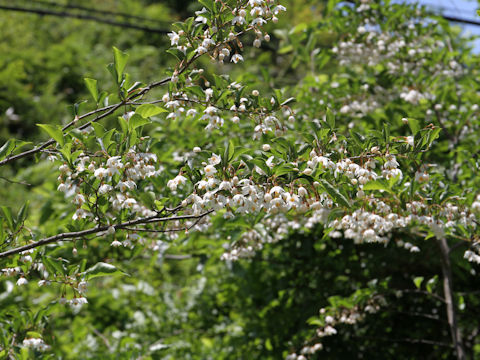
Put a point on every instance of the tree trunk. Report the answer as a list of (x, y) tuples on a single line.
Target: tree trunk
[(449, 299)]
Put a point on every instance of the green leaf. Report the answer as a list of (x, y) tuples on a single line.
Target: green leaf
[(103, 269), (99, 129), (22, 214), (55, 132), (7, 148), (66, 151), (136, 121), (148, 110), (379, 184), (431, 283), (418, 281), (208, 4), (414, 125), (120, 61), (33, 334), (93, 88), (53, 266), (123, 124), (336, 195), (433, 135), (7, 214), (330, 119), (386, 132), (268, 345), (231, 150)]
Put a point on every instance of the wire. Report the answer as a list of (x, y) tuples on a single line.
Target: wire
[(92, 10), (85, 17)]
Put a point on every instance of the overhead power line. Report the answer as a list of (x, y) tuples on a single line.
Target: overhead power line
[(84, 16), (94, 11), (460, 20)]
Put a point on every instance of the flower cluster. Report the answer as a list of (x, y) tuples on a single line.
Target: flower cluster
[(36, 343), (114, 177)]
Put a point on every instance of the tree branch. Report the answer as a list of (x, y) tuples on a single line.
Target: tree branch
[(98, 229)]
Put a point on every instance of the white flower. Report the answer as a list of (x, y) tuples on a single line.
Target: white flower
[(210, 170), (104, 189), (201, 50), (279, 8), (116, 243), (82, 286), (22, 281), (409, 140), (79, 199), (260, 21), (174, 38), (236, 58), (240, 20), (81, 214), (214, 159), (100, 173), (201, 18), (266, 147)]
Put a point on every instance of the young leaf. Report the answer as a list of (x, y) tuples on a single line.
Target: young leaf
[(418, 281), (414, 125), (120, 61), (93, 88), (136, 121), (148, 110), (55, 132)]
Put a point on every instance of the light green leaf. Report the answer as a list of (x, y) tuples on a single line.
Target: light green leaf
[(379, 184), (148, 110), (99, 129), (92, 87), (55, 132), (123, 124), (120, 61), (231, 150), (414, 125), (418, 281), (7, 148), (136, 121), (103, 269), (33, 334)]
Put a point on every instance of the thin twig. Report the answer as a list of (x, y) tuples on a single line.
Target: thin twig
[(15, 182)]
